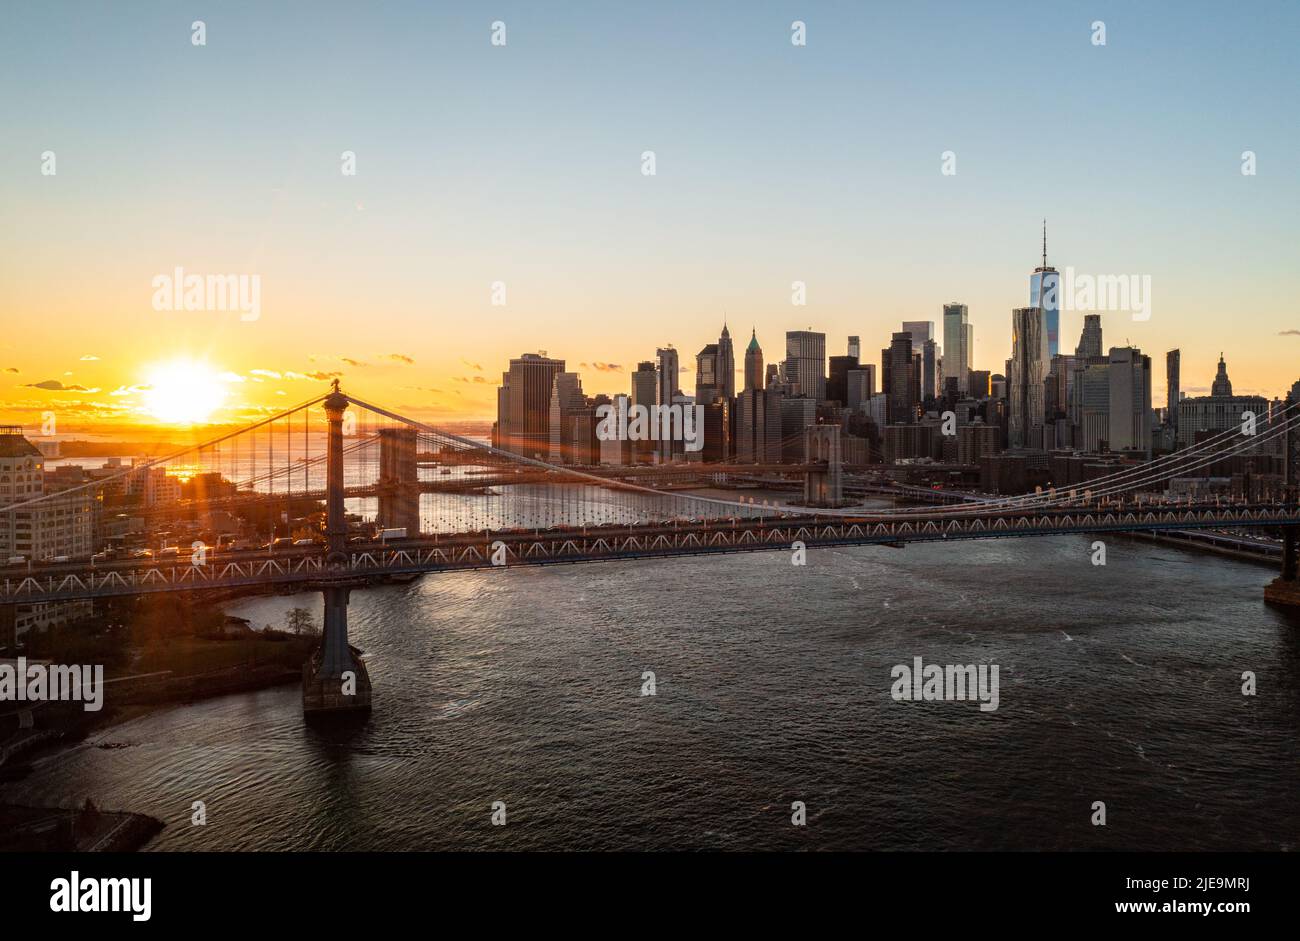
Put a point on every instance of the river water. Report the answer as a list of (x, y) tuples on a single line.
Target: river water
[(1118, 683)]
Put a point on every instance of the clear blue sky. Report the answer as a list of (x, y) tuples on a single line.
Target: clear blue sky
[(522, 163)]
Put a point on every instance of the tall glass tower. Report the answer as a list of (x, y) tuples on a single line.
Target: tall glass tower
[(1044, 293)]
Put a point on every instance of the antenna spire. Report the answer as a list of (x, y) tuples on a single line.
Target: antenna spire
[(1044, 242)]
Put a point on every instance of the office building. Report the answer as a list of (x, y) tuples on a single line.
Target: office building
[(859, 386), (1172, 359), (837, 384), (1205, 416), (567, 399), (1044, 293), (645, 394), (957, 341), (667, 392), (1090, 340), (929, 370), (524, 405), (922, 331), (1026, 382), (805, 363), (899, 380), (1129, 373), (754, 377)]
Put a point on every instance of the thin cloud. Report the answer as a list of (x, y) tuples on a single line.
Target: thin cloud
[(399, 358), (54, 385), (269, 374), (323, 376), (607, 367), (474, 366), (353, 362), (1289, 333), (89, 358)]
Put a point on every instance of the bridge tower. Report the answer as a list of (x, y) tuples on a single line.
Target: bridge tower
[(399, 480), (823, 485), (1285, 589), (334, 679)]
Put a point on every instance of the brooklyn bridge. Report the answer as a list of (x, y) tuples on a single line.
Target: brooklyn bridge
[(438, 501)]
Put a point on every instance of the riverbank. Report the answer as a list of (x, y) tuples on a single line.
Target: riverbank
[(83, 830), (1259, 553), (185, 670)]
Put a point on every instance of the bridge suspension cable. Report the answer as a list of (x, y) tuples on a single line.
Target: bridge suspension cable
[(1132, 478)]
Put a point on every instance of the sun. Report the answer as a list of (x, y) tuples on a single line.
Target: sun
[(183, 392)]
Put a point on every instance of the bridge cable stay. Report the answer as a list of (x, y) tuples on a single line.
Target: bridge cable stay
[(1132, 478), (160, 461), (1146, 472)]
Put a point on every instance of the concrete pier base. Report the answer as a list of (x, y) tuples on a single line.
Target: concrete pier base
[(1283, 593), (325, 694)]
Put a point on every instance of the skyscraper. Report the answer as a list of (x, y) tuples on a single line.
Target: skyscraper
[(758, 412), (855, 347), (899, 380), (667, 393), (567, 399), (707, 378), (524, 410), (956, 345), (930, 370), (805, 362), (1044, 288), (859, 386), (726, 364), (1130, 400), (1028, 372), (921, 330), (645, 392), (754, 378), (837, 384), (1173, 360), (1090, 340)]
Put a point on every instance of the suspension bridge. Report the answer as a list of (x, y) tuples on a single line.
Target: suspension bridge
[(403, 498)]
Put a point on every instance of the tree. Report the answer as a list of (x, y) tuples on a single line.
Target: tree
[(299, 621)]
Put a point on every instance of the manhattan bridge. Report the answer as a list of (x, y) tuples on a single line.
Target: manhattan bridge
[(441, 502)]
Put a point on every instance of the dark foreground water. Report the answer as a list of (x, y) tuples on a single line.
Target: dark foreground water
[(1119, 684)]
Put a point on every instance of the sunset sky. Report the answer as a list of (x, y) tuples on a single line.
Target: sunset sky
[(522, 164)]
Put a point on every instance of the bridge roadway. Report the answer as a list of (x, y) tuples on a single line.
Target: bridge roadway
[(33, 583)]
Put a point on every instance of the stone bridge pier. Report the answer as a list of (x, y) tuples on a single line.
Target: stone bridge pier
[(823, 484), (399, 480)]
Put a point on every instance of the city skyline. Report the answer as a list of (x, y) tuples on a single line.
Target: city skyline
[(386, 277)]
